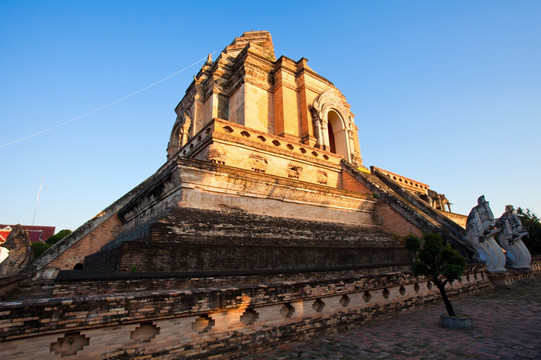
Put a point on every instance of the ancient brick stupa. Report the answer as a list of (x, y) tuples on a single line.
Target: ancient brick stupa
[(263, 171), (262, 227)]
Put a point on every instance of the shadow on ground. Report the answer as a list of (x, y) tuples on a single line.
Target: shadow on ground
[(507, 325)]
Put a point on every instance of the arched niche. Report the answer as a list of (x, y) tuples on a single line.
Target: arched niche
[(174, 140), (333, 125), (336, 131), (180, 133)]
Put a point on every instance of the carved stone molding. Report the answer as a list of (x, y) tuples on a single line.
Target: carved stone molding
[(258, 162), (216, 154), (331, 99), (294, 171)]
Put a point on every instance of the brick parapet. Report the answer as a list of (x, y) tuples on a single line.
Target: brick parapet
[(460, 219), (410, 184), (370, 295)]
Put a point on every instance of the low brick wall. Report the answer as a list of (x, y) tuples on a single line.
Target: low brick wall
[(223, 321)]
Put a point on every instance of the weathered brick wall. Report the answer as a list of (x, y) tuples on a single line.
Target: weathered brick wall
[(227, 321), (348, 182), (392, 221), (9, 283), (89, 237), (181, 257), (236, 227), (448, 226), (413, 209), (84, 282), (88, 244), (458, 218), (194, 239), (385, 216), (192, 183), (105, 260)]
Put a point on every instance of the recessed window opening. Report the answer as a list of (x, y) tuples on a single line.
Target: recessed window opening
[(332, 143)]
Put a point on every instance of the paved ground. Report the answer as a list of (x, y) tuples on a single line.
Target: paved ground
[(507, 325)]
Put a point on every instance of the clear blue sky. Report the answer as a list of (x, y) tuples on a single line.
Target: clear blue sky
[(447, 93)]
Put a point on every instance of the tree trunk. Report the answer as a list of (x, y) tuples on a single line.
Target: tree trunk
[(448, 306)]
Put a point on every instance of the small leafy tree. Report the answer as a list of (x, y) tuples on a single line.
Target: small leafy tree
[(440, 263)]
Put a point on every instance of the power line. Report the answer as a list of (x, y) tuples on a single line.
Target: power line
[(104, 106)]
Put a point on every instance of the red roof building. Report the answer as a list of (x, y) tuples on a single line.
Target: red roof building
[(35, 233), (4, 232)]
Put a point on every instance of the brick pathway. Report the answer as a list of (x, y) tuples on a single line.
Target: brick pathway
[(507, 325)]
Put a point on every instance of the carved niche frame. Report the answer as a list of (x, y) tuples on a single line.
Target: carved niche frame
[(343, 129)]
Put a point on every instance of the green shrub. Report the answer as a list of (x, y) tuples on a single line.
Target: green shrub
[(58, 236), (39, 248)]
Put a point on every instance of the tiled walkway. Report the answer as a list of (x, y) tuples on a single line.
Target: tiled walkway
[(507, 325)]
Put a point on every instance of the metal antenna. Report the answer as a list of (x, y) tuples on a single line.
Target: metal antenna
[(37, 200)]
